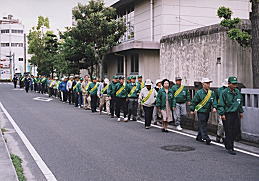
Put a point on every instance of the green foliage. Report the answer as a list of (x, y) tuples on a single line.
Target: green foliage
[(234, 33), (224, 12), (17, 162), (82, 46)]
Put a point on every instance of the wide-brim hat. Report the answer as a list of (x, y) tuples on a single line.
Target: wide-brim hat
[(206, 80), (178, 78), (106, 81), (148, 82)]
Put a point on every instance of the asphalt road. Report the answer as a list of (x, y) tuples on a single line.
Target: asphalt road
[(78, 145)]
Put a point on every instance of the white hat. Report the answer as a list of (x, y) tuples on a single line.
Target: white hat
[(71, 76), (225, 83), (56, 78), (148, 82), (158, 80), (106, 81), (206, 80)]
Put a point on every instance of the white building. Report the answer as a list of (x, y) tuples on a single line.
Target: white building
[(12, 47), (149, 20)]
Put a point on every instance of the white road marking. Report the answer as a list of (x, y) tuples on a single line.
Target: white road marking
[(44, 99), (192, 136), (41, 164)]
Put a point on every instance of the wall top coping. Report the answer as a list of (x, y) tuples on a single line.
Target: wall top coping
[(198, 32)]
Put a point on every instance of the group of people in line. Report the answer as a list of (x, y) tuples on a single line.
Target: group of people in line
[(163, 101)]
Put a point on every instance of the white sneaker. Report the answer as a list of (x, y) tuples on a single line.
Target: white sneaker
[(125, 119), (119, 119), (179, 128)]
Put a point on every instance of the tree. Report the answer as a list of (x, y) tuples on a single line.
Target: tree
[(97, 30), (254, 17), (244, 37)]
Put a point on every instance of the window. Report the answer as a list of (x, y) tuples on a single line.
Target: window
[(5, 31), (5, 44), (17, 31), (20, 59), (120, 63), (17, 44), (134, 63), (127, 16)]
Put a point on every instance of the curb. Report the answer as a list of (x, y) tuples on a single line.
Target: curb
[(11, 176)]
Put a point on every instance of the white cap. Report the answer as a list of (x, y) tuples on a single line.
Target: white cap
[(106, 81), (148, 82), (225, 83), (206, 80), (158, 80), (56, 78)]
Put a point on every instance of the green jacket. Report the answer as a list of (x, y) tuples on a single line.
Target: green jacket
[(111, 89), (219, 91), (141, 85), (136, 92), (230, 102), (199, 96), (183, 96), (123, 93), (78, 87), (92, 84), (161, 99), (44, 80)]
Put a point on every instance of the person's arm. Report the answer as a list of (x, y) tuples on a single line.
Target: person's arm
[(215, 103), (158, 99), (221, 106), (188, 97)]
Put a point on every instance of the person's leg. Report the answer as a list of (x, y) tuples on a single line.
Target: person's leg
[(107, 101), (135, 109), (177, 115), (112, 106), (129, 110), (102, 101), (118, 104), (227, 130), (124, 107)]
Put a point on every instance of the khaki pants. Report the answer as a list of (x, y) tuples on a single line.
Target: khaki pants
[(87, 101), (105, 99)]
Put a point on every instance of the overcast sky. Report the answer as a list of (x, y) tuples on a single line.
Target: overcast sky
[(59, 12)]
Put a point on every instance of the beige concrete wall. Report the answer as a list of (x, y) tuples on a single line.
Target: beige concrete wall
[(193, 14), (193, 55)]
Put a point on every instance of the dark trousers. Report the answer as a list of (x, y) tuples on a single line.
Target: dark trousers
[(112, 105), (76, 97), (202, 126), (148, 114), (15, 84), (35, 87), (70, 96), (121, 105), (132, 107), (50, 91), (93, 102), (65, 96), (27, 88), (231, 129)]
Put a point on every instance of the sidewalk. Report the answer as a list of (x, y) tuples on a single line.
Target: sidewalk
[(7, 171)]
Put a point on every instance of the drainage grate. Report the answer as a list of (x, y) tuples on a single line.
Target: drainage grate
[(177, 148)]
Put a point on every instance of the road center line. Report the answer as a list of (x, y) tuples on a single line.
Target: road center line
[(41, 164)]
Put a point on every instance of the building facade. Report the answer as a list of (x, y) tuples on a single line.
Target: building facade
[(12, 48), (148, 21)]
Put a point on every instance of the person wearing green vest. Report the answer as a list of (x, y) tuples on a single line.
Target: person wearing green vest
[(182, 96), (165, 102), (231, 111), (86, 97), (50, 86), (92, 91), (133, 90), (220, 128), (111, 94), (103, 96), (44, 84), (141, 84), (121, 95), (203, 102), (78, 93), (147, 98)]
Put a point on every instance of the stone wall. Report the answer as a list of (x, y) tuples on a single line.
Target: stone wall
[(205, 52)]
